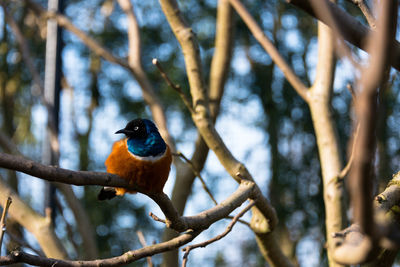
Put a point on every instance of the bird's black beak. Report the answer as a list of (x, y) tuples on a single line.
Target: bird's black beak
[(122, 131)]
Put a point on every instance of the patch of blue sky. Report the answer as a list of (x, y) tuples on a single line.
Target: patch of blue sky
[(293, 41), (106, 122), (67, 134), (73, 66), (308, 252), (131, 90), (258, 54), (1, 23), (267, 18), (164, 51), (85, 16), (204, 27), (345, 73), (148, 13), (30, 193), (289, 21), (240, 64)]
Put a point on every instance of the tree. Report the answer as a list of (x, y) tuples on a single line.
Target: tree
[(300, 124)]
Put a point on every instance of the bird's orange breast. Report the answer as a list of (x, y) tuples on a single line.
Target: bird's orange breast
[(149, 175)]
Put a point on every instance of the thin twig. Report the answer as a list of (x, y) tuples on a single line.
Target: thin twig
[(235, 219), (197, 173), (362, 4), (349, 87), (174, 86), (157, 219), (346, 169), (3, 220), (23, 243), (240, 220), (68, 227), (142, 241), (343, 50), (268, 46)]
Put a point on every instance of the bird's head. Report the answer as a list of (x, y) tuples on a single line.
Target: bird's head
[(143, 138), (136, 129)]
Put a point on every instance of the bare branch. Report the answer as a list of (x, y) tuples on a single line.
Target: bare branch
[(142, 241), (127, 257), (220, 64), (203, 182), (366, 108), (351, 29), (362, 4), (218, 73), (200, 221), (156, 218), (320, 97), (3, 220), (204, 124), (218, 237), (33, 222), (56, 174), (361, 174), (132, 66), (346, 168), (258, 33), (349, 87), (84, 226), (174, 86), (23, 243)]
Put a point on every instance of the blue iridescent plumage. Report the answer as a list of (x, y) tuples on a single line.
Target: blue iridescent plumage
[(151, 145)]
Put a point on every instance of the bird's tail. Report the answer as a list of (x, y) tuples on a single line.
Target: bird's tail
[(107, 193)]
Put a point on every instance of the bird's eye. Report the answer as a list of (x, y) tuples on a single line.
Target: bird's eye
[(136, 128)]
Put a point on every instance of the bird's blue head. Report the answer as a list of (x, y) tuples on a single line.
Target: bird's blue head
[(144, 140)]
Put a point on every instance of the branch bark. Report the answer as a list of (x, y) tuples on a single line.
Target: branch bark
[(361, 174), (204, 124), (353, 31), (127, 257), (327, 141), (36, 224), (218, 73), (273, 52)]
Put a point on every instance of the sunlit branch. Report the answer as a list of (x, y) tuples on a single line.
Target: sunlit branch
[(362, 4), (3, 220), (273, 52), (228, 229), (351, 29), (127, 257)]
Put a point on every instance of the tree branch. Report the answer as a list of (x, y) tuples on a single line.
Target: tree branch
[(258, 33), (174, 221), (127, 257), (206, 128), (220, 66), (362, 4), (3, 220), (38, 225), (320, 96), (352, 30), (361, 174), (228, 229)]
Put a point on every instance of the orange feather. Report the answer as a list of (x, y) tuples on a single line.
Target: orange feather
[(148, 175)]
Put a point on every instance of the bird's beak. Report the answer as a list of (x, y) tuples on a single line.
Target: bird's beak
[(122, 131)]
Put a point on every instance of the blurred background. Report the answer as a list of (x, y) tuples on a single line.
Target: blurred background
[(263, 121)]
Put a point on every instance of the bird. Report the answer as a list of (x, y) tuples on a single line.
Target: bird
[(143, 158)]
